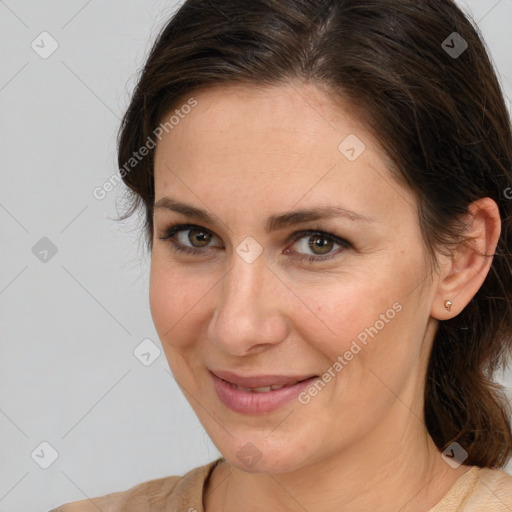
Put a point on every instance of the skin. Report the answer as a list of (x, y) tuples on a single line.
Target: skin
[(361, 444)]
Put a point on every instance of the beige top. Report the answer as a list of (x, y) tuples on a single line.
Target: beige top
[(477, 490)]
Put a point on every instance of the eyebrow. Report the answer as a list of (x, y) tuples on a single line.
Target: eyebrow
[(274, 222)]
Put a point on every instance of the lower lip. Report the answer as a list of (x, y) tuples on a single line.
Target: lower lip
[(250, 402)]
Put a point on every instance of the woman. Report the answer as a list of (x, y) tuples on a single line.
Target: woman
[(326, 188)]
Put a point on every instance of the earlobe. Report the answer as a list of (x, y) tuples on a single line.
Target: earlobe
[(469, 264)]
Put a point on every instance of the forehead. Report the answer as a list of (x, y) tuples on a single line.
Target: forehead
[(280, 143), (289, 120)]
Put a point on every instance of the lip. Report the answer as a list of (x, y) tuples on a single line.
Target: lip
[(250, 402)]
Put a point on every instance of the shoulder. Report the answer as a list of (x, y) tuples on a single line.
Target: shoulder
[(493, 488), (161, 494), (138, 495), (477, 490)]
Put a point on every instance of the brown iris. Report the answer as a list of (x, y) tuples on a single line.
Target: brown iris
[(320, 242), (201, 236)]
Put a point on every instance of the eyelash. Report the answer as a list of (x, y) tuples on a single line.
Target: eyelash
[(172, 230)]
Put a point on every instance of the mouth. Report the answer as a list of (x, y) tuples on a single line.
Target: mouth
[(258, 394), (261, 383)]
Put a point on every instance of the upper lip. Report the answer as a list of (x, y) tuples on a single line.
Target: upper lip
[(258, 381)]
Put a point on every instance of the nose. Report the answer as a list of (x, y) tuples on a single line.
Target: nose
[(250, 313)]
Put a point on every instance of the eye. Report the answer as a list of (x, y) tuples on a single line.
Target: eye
[(321, 244), (197, 236)]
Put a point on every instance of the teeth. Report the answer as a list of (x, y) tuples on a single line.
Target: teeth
[(265, 389)]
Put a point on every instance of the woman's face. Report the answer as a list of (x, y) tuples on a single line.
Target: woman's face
[(345, 297)]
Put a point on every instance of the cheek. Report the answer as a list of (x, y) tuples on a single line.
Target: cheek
[(174, 297), (348, 314), (371, 346), (366, 329)]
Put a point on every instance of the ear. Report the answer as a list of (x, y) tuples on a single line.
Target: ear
[(464, 272)]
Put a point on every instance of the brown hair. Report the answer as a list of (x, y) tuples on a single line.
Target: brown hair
[(440, 117)]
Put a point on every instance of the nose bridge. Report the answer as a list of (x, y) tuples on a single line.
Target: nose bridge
[(240, 285), (247, 311)]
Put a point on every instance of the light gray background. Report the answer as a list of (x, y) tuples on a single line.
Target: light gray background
[(70, 325)]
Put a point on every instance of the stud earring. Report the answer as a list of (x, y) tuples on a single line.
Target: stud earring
[(448, 305)]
